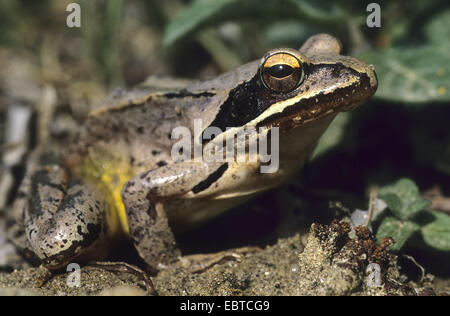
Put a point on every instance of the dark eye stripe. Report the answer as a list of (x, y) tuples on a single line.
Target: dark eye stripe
[(280, 70)]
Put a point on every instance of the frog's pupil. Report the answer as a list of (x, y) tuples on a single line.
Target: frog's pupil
[(280, 70)]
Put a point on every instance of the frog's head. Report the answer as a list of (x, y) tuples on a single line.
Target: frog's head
[(289, 87), (313, 82)]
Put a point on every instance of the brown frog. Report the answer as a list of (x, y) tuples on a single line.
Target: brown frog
[(118, 179)]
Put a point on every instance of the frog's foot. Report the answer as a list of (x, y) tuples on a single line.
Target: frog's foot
[(123, 267), (68, 226), (200, 263), (58, 220)]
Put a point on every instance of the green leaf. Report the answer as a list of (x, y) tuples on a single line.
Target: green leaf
[(190, 18), (203, 13), (437, 233), (403, 199), (413, 75), (400, 231), (290, 33), (393, 202), (416, 74)]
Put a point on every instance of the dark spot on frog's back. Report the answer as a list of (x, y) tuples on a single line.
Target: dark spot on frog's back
[(161, 163)]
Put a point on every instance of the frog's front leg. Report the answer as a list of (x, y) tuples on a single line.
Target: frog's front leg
[(150, 196)]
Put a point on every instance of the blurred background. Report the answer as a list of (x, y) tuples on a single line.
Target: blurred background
[(51, 76)]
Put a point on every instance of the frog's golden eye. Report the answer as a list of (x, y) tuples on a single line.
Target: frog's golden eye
[(282, 72)]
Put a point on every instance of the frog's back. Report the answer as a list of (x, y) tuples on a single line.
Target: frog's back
[(133, 127)]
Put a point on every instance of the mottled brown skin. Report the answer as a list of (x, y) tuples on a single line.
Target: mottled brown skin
[(126, 146)]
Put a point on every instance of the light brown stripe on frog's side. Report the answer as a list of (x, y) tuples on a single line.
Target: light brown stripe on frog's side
[(125, 104)]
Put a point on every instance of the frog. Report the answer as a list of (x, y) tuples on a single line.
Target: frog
[(117, 179)]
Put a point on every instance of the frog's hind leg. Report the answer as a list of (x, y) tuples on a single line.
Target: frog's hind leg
[(59, 221)]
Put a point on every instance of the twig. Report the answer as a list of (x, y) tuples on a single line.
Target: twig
[(373, 194), (422, 269)]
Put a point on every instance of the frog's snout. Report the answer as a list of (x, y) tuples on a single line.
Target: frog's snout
[(367, 81)]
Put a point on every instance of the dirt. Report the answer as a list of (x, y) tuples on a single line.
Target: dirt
[(333, 261)]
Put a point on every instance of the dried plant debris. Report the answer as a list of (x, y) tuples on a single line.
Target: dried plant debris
[(335, 264)]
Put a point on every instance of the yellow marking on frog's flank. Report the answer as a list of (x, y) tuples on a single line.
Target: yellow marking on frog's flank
[(110, 175), (442, 90), (114, 180)]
